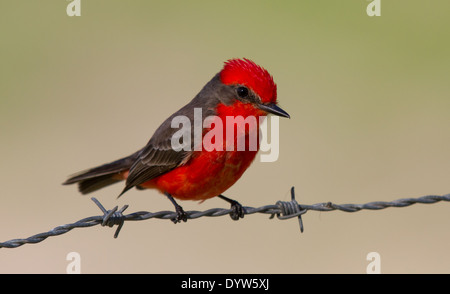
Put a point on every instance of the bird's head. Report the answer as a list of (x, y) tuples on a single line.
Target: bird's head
[(252, 85)]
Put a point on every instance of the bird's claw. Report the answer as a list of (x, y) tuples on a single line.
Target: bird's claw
[(237, 210), (181, 215)]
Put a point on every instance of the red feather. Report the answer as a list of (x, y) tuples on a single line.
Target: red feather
[(246, 72)]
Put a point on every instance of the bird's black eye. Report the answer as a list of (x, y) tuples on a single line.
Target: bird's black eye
[(242, 92)]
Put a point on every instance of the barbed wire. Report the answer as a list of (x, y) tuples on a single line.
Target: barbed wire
[(282, 209)]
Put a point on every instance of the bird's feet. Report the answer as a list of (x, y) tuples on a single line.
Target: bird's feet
[(181, 215), (237, 210)]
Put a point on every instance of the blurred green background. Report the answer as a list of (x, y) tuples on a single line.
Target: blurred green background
[(369, 104)]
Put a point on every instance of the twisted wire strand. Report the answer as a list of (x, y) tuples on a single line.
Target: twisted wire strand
[(282, 209)]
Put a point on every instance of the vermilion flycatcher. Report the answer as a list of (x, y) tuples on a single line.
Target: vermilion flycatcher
[(241, 88)]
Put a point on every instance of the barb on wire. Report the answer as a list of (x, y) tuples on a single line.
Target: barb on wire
[(282, 209)]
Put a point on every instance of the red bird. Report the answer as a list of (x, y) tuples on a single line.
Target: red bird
[(241, 88)]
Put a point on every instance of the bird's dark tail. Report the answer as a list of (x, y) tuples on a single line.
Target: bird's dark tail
[(101, 176)]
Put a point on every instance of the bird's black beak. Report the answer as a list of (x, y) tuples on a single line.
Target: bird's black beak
[(274, 109)]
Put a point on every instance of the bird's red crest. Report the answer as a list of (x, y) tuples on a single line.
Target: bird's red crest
[(247, 73)]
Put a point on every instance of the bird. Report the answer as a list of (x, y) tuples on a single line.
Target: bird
[(240, 89)]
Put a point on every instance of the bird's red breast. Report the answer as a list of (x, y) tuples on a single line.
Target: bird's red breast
[(210, 173)]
